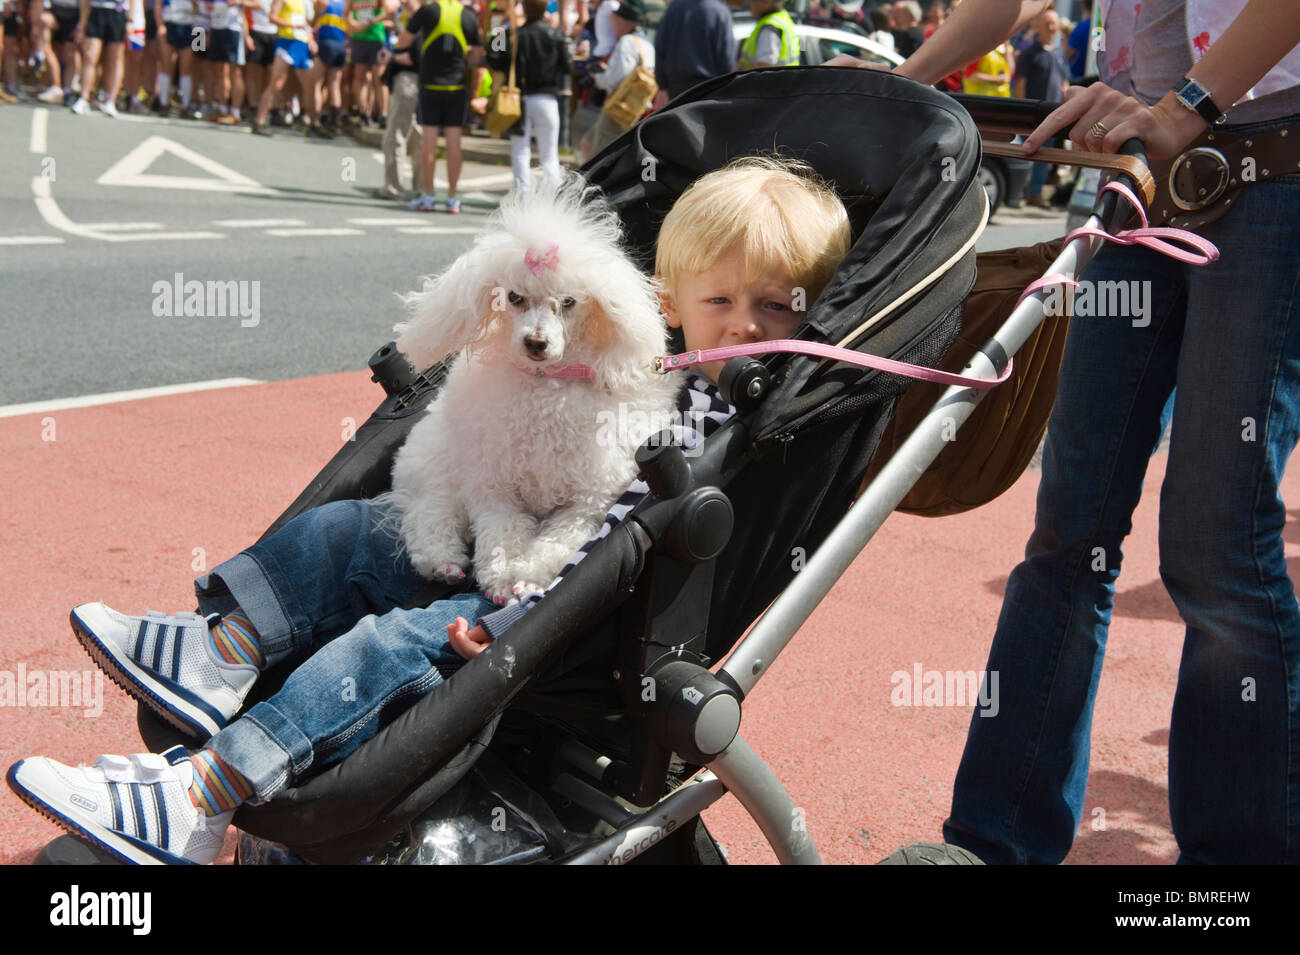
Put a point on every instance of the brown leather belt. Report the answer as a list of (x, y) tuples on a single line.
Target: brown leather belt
[(1198, 186)]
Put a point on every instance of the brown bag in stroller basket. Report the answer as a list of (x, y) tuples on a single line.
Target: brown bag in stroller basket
[(995, 445)]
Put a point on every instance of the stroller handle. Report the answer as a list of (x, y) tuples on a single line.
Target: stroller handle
[(998, 114), (1020, 117)]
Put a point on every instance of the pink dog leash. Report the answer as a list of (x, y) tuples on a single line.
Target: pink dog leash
[(686, 359)]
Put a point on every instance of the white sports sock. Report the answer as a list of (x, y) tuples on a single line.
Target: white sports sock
[(187, 86), (164, 87)]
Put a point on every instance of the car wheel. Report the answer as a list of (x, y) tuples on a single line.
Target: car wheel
[(994, 181)]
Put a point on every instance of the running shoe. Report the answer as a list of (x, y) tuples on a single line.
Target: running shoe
[(167, 663), (81, 107), (51, 94), (108, 109), (453, 205), (136, 807), (424, 203), (260, 129), (316, 132)]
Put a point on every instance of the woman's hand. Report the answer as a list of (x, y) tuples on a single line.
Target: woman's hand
[(468, 642), (1165, 128)]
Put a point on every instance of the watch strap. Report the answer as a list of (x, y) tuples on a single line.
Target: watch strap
[(1197, 98)]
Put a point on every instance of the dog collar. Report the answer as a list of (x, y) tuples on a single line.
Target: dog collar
[(565, 371)]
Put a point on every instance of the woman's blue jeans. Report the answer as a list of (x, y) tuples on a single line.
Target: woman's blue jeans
[(1227, 337), (328, 588)]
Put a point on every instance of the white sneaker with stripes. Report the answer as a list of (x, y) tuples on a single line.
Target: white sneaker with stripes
[(136, 807), (166, 661)]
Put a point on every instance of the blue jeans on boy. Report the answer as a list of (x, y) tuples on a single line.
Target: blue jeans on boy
[(1227, 336), (329, 587)]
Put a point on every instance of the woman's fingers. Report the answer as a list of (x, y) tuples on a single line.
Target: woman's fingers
[(1074, 106)]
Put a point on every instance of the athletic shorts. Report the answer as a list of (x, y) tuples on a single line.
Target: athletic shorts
[(442, 108), (150, 24), (224, 46), (13, 26), (294, 52), (333, 53), (365, 52), (178, 35), (66, 19), (263, 49), (107, 25)]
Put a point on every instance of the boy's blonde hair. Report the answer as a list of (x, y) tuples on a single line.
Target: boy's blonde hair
[(779, 209)]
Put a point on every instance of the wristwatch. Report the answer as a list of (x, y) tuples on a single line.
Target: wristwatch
[(1197, 98)]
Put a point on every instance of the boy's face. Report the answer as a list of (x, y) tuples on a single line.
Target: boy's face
[(721, 307)]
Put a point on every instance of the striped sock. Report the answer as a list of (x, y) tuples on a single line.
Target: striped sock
[(216, 787), (235, 640)]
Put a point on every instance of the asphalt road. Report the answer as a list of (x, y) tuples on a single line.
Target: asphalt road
[(88, 230), (104, 224)]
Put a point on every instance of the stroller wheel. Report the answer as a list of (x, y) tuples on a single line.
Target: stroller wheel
[(931, 853)]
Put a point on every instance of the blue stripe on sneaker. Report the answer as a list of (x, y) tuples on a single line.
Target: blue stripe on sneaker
[(160, 813), (163, 631), (116, 799), (176, 655), (137, 808), (136, 652), (155, 685)]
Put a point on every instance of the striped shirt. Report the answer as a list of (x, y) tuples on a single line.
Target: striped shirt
[(701, 410)]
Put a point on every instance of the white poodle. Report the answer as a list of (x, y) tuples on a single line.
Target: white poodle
[(511, 455)]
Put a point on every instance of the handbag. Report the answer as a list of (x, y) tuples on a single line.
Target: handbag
[(632, 97), (506, 107), (992, 449)]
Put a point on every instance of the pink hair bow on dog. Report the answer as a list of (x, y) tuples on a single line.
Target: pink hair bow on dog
[(547, 260)]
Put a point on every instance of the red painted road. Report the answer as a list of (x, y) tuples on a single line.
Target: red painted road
[(128, 502)]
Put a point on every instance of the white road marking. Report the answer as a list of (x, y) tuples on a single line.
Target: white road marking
[(130, 171), (112, 397), (315, 231), (436, 230), (386, 220), (53, 215), (165, 236), (121, 226), (39, 141), (257, 223), (483, 182), (406, 223), (30, 240)]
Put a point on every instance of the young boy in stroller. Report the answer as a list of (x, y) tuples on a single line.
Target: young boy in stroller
[(737, 251)]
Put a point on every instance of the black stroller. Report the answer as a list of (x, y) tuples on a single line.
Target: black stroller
[(599, 727)]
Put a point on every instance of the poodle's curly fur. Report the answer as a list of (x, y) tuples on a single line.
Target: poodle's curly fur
[(507, 458)]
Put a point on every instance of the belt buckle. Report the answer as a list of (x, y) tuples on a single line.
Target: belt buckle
[(1194, 171)]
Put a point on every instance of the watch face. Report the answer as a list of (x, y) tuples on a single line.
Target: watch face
[(1191, 93)]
